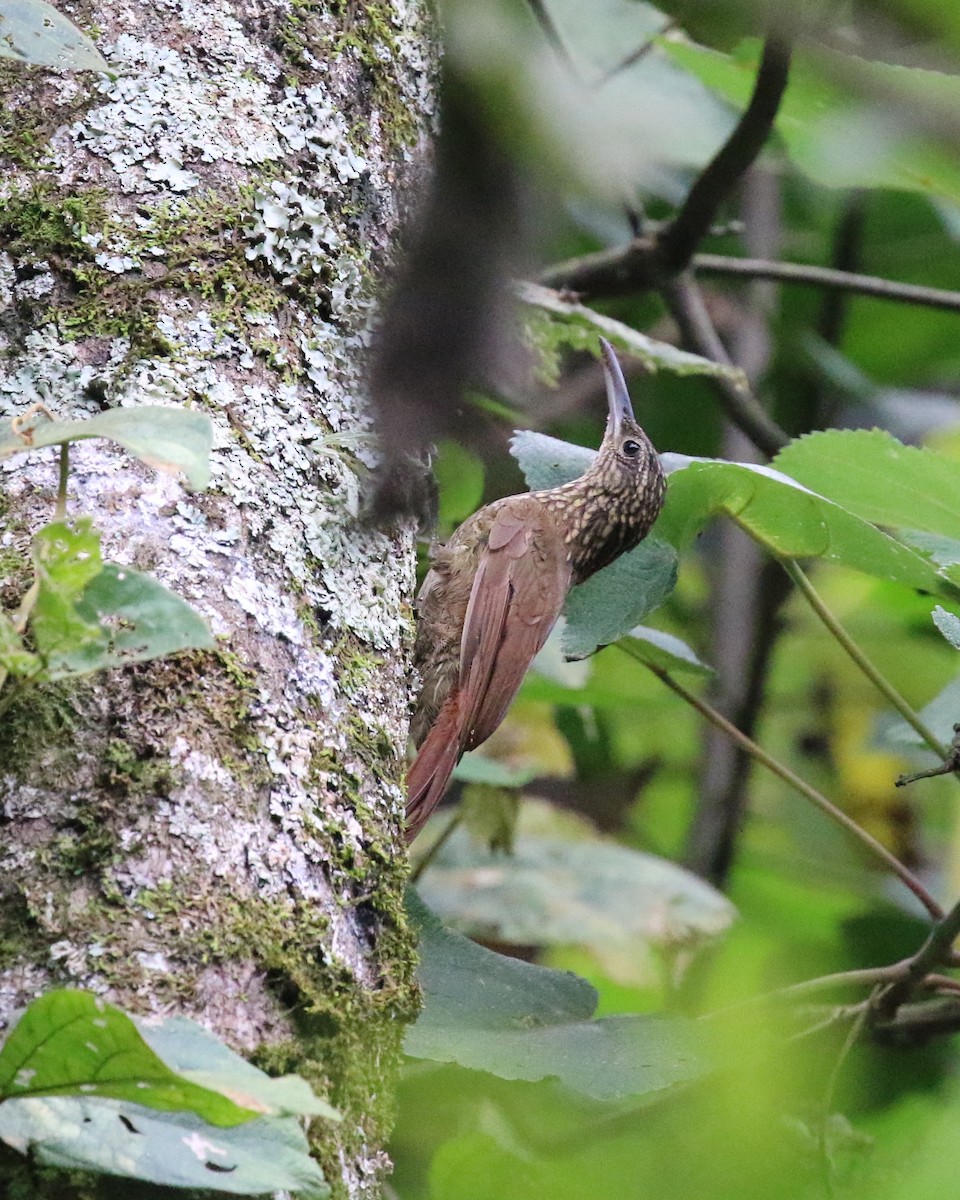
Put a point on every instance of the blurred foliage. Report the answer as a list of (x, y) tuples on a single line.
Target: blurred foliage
[(616, 106)]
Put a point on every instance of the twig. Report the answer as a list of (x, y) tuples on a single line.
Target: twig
[(883, 685), (639, 53), (828, 277), (685, 302), (949, 766), (677, 244), (870, 843), (437, 846), (934, 951), (60, 510)]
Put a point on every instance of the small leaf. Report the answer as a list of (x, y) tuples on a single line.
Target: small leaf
[(577, 326), (34, 32), (70, 1043), (14, 657), (167, 439), (137, 618), (665, 651), (66, 556), (948, 624), (519, 1021), (175, 1149)]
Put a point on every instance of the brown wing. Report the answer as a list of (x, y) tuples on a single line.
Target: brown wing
[(517, 594)]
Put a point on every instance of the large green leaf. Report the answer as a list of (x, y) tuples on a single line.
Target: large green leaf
[(174, 1149), (168, 439), (519, 1021), (880, 479), (556, 889), (33, 31), (71, 1043), (788, 519)]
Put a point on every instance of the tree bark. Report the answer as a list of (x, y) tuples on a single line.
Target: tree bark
[(218, 834)]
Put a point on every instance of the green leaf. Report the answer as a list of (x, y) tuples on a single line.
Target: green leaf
[(70, 1043), (610, 603), (871, 474), (34, 32), (197, 1055), (459, 477), (948, 624), (474, 767), (665, 651), (575, 325), (173, 1149), (564, 890), (519, 1021), (90, 615), (547, 461), (14, 657), (66, 557), (167, 439), (138, 619), (786, 518)]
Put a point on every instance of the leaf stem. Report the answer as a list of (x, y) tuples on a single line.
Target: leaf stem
[(870, 843), (60, 509), (882, 684)]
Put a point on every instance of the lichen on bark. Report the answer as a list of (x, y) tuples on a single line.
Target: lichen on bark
[(219, 833)]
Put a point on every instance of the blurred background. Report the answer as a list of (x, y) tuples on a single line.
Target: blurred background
[(580, 180)]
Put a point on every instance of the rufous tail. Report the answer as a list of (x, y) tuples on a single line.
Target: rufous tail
[(430, 773)]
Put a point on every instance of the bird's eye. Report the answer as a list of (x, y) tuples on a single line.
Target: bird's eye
[(631, 449)]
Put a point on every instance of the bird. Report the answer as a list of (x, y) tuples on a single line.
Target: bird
[(495, 590)]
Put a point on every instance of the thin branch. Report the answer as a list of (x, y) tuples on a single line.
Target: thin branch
[(870, 843), (880, 682), (824, 277), (934, 951), (552, 34), (677, 244), (685, 301)]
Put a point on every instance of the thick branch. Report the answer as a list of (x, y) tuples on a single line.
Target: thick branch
[(678, 242)]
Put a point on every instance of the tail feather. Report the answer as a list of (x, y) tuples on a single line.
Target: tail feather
[(431, 770)]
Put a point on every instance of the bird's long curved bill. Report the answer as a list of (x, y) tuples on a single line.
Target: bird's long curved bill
[(618, 398)]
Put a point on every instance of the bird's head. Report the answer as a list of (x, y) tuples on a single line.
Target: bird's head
[(628, 467)]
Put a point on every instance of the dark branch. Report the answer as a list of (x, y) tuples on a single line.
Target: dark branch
[(685, 302), (827, 277), (677, 244)]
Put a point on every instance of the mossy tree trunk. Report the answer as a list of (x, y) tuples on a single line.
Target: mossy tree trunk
[(218, 834)]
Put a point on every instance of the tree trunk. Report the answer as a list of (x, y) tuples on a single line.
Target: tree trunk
[(218, 833)]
